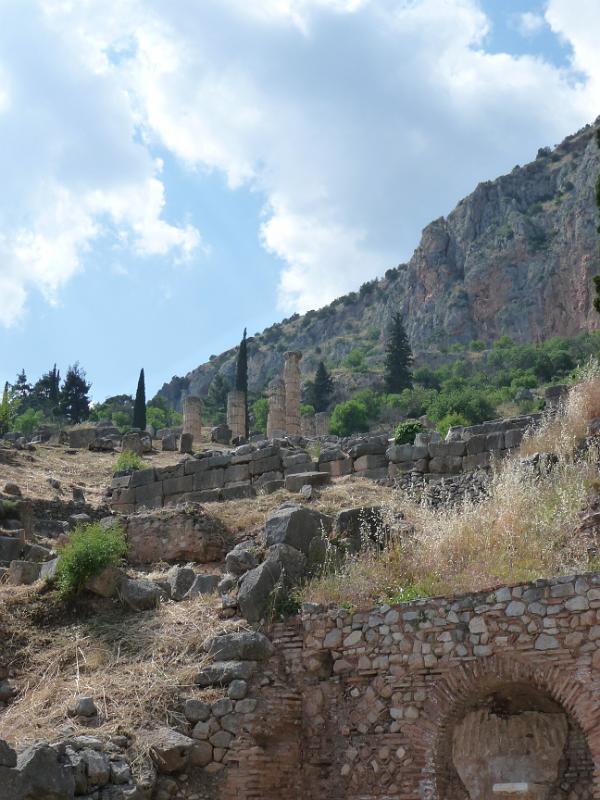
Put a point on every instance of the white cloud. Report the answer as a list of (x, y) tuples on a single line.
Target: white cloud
[(71, 168), (528, 23), (357, 120)]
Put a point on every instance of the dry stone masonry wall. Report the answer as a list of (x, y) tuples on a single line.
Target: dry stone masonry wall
[(272, 464)]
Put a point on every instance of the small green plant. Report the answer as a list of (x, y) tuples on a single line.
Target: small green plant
[(406, 431), (8, 509), (449, 421), (405, 594), (314, 450), (90, 550), (283, 604), (128, 461), (348, 418)]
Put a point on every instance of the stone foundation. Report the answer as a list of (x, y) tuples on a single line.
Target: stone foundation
[(478, 696)]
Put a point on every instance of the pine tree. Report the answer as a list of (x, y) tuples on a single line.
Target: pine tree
[(139, 407), (597, 277), (74, 400), (241, 376), (45, 394), (322, 388), (398, 358), (21, 388)]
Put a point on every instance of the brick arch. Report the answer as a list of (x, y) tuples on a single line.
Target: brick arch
[(456, 690)]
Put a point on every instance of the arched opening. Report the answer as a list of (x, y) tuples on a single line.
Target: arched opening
[(513, 741)]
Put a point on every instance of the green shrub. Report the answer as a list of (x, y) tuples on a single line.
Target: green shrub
[(129, 461), (477, 346), (449, 421), (260, 410), (90, 549), (348, 418), (307, 410), (29, 421), (8, 509), (406, 431), (355, 360)]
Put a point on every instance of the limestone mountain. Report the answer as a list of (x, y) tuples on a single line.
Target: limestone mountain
[(516, 257)]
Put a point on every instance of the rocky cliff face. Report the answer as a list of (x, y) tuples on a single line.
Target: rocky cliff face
[(516, 258)]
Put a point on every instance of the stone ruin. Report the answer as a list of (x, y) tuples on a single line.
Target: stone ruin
[(236, 414), (284, 399), (192, 417)]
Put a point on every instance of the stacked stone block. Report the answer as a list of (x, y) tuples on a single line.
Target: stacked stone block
[(276, 416), (291, 377), (192, 417), (236, 414)]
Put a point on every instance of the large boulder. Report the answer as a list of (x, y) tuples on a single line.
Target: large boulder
[(82, 437), (222, 673), (241, 558), (296, 526), (133, 442), (361, 524), (41, 772), (180, 581), (175, 535), (140, 595), (239, 646), (255, 588), (292, 562), (170, 750)]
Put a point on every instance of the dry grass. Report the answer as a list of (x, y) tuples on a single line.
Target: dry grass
[(249, 515), (560, 432), (136, 666), (524, 529), (91, 471)]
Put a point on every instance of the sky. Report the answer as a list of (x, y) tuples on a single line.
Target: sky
[(173, 171)]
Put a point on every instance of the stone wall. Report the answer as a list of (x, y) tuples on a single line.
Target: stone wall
[(272, 464), (430, 700)]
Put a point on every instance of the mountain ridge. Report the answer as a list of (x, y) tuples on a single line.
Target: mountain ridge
[(515, 257)]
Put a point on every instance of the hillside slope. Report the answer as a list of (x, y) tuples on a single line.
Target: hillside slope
[(516, 257)]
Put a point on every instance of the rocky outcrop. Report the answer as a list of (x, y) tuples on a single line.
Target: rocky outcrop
[(515, 257)]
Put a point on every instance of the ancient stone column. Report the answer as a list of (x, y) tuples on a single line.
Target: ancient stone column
[(307, 425), (322, 423), (291, 378), (276, 416), (192, 417), (236, 414)]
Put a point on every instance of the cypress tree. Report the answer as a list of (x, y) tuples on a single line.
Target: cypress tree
[(22, 388), (5, 411), (139, 407), (597, 277), (241, 376), (398, 358), (321, 388)]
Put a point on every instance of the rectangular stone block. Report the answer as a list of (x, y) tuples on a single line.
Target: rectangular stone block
[(477, 461), (142, 477), (295, 459), (476, 444), (373, 474), (202, 496), (269, 464), (494, 441), (211, 479), (343, 466), (306, 466), (446, 449), (400, 452), (150, 496), (174, 471), (513, 438), (122, 482), (238, 491), (265, 452), (178, 485), (419, 451), (236, 473), (369, 462), (450, 465), (123, 496)]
